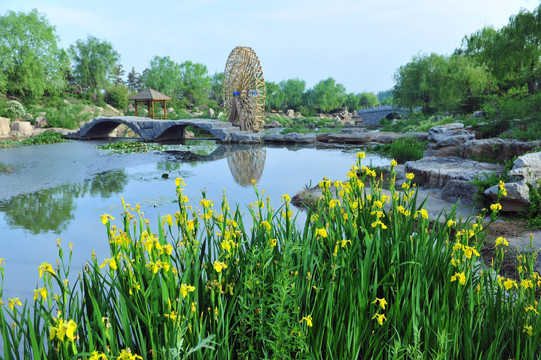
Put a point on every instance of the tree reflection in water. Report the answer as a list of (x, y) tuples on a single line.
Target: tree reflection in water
[(51, 209), (247, 165)]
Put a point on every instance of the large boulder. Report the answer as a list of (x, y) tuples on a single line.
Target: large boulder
[(447, 136), (526, 169), (436, 172), (41, 122), (4, 126), (498, 149), (290, 113), (23, 128)]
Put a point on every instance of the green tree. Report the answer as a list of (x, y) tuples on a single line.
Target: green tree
[(293, 90), (328, 95), (418, 83), (31, 64), (352, 101), (94, 63), (385, 97), (216, 88), (134, 81), (274, 96), (164, 76), (195, 84), (464, 84), (368, 100)]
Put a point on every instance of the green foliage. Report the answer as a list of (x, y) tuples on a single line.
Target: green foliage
[(63, 115), (14, 109), (31, 63), (128, 147), (274, 97), (327, 95), (134, 82), (407, 148), (5, 169), (195, 84), (217, 88), (485, 181), (47, 137), (94, 63), (293, 90), (534, 210), (117, 96)]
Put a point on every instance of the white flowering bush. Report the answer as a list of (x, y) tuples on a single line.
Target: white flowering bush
[(15, 109)]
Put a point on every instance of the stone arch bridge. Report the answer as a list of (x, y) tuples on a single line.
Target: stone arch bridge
[(151, 130), (372, 116)]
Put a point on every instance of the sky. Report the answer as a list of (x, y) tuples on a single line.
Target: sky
[(359, 43)]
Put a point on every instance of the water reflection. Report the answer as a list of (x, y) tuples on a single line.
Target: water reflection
[(247, 165), (246, 162), (52, 209)]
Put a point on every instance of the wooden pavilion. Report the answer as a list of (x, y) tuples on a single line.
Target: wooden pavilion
[(150, 96)]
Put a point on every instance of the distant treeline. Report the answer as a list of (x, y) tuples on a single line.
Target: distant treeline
[(33, 66), (492, 69)]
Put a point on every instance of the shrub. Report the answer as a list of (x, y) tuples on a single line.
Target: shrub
[(485, 181), (407, 148), (534, 210), (15, 109), (117, 96)]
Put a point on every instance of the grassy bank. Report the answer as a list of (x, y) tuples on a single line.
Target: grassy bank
[(367, 276)]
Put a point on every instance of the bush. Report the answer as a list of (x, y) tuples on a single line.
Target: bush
[(407, 148), (14, 109), (534, 210), (117, 96), (485, 181)]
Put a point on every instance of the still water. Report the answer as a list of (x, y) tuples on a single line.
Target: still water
[(59, 191)]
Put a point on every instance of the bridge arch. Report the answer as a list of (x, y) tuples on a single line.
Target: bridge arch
[(101, 128)]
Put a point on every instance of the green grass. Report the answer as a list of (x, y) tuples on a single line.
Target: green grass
[(47, 137), (367, 276)]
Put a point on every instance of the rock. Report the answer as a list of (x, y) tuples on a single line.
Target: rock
[(23, 128), (4, 126), (517, 198), (353, 138), (197, 113), (290, 113), (526, 169), (459, 189), (273, 125), (188, 134), (28, 117), (41, 122), (480, 114), (211, 113), (65, 101), (385, 137), (447, 136), (277, 138), (113, 110), (170, 109), (301, 138), (498, 149), (220, 114), (436, 172)]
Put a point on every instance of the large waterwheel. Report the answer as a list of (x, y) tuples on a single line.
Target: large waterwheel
[(244, 89)]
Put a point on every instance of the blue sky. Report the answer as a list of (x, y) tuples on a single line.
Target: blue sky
[(360, 43)]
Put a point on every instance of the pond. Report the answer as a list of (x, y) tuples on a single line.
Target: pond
[(59, 191)]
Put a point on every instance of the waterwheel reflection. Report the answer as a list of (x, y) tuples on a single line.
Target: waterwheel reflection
[(247, 165)]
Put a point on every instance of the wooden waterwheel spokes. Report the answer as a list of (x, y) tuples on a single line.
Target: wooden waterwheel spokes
[(244, 89)]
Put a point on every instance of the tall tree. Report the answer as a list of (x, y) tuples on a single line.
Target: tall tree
[(216, 88), (274, 96), (195, 83), (368, 100), (164, 76), (94, 63), (328, 95), (293, 90), (31, 63), (134, 82), (418, 83)]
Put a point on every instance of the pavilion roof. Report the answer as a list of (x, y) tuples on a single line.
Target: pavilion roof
[(150, 94)]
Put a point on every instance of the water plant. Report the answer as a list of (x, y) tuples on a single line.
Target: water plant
[(369, 275)]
